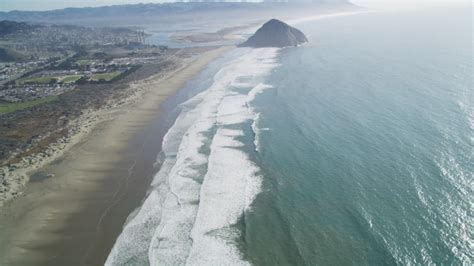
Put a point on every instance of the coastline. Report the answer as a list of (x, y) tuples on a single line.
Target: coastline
[(89, 177), (90, 166), (272, 156), (16, 176)]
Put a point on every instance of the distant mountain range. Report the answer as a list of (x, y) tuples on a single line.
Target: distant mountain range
[(139, 14)]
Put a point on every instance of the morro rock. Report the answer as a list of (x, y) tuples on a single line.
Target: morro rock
[(275, 33)]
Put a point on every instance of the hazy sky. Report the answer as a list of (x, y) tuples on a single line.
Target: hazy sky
[(7, 5)]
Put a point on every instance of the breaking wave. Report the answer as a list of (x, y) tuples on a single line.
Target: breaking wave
[(207, 181)]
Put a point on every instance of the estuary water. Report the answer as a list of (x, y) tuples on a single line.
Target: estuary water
[(354, 149)]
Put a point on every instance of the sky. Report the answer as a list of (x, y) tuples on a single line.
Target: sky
[(409, 3), (8, 5)]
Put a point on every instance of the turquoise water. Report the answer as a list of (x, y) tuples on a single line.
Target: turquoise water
[(355, 149), (368, 152)]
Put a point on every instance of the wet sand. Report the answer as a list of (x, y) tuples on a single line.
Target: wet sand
[(74, 217)]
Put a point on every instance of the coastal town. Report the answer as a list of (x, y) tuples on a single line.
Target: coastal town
[(52, 75), (39, 62)]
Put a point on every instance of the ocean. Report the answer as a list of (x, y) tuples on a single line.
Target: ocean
[(354, 149)]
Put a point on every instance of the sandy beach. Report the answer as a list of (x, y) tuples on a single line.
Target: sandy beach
[(96, 180)]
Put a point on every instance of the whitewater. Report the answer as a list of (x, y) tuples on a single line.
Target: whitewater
[(207, 180)]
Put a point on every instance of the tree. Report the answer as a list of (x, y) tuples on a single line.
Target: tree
[(82, 80)]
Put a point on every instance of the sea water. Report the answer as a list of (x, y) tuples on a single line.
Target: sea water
[(356, 148)]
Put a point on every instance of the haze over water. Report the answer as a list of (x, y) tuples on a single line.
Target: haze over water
[(354, 149)]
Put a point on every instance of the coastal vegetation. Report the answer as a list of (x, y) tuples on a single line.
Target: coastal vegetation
[(12, 107), (40, 80), (104, 76), (70, 79), (8, 55)]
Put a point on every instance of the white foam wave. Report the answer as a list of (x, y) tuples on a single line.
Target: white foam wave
[(197, 197), (255, 125), (257, 90)]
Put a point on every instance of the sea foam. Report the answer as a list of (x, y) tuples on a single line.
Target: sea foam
[(207, 181)]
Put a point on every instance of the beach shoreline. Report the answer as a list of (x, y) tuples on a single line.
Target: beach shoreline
[(16, 175), (88, 173), (92, 177)]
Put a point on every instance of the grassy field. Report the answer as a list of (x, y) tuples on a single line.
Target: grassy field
[(70, 79), (11, 107), (83, 62), (48, 79), (104, 76), (40, 80)]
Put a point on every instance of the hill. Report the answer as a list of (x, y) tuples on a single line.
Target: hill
[(7, 55), (153, 14), (10, 27), (275, 33)]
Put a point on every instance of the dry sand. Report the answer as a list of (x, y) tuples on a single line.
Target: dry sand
[(74, 217)]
